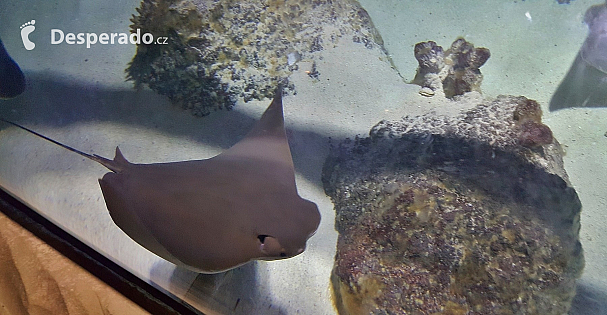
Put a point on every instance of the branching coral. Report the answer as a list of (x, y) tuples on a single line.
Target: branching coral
[(455, 71)]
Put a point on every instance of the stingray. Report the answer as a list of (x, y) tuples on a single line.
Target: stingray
[(585, 85), (12, 80), (215, 214)]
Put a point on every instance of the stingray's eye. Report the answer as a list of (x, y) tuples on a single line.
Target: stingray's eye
[(283, 254)]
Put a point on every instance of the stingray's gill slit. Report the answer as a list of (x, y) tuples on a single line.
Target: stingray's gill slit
[(214, 214)]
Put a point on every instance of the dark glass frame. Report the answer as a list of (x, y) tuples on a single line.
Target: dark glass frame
[(132, 287)]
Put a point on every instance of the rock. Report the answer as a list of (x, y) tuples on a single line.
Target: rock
[(454, 215), (453, 72), (220, 50)]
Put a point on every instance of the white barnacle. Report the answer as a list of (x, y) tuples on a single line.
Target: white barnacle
[(292, 58)]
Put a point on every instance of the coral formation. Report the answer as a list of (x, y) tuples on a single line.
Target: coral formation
[(220, 50), (453, 215), (527, 109), (531, 132), (454, 72), (430, 57)]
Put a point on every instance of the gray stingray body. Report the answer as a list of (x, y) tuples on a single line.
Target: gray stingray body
[(215, 214), (12, 80), (594, 49), (585, 85)]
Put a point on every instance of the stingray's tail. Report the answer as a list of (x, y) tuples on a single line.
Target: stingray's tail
[(115, 165)]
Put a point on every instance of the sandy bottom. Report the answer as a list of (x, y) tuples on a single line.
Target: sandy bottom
[(78, 96)]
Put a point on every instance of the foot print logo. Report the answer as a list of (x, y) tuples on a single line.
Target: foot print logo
[(26, 30)]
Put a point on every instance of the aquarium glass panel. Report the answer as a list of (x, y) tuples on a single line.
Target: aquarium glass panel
[(318, 156)]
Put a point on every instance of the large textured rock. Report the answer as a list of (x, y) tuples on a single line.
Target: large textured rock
[(470, 214), (220, 50)]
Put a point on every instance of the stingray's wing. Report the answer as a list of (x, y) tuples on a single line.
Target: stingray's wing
[(119, 200), (583, 86), (594, 49), (267, 142)]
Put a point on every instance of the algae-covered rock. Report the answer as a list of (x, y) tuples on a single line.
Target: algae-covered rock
[(219, 50), (454, 215)]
